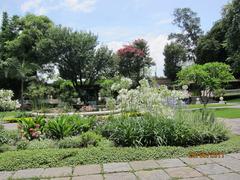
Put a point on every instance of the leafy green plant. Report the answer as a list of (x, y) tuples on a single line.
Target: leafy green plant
[(32, 128), (59, 127), (84, 140), (41, 144), (22, 145), (8, 137), (185, 129), (70, 142), (82, 124), (5, 147), (90, 139), (16, 160)]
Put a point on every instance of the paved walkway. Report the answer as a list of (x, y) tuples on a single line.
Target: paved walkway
[(227, 168), (233, 124)]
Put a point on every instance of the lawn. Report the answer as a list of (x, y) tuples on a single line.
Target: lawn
[(15, 160), (191, 106), (230, 113), (9, 114), (237, 100)]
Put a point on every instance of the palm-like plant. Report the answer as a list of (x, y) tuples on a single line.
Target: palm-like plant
[(21, 70)]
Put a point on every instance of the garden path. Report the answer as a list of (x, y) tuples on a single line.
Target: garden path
[(233, 124), (221, 168)]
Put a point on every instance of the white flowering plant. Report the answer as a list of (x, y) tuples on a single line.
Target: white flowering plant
[(124, 83), (6, 102), (146, 99)]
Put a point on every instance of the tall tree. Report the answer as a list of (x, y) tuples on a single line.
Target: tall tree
[(8, 32), (189, 23), (77, 56), (22, 71), (20, 52), (231, 17), (134, 59), (212, 46), (175, 56), (29, 33), (222, 42)]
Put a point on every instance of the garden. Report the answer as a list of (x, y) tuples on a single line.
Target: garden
[(157, 125), (67, 100)]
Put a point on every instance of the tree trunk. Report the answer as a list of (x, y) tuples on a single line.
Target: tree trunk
[(22, 86)]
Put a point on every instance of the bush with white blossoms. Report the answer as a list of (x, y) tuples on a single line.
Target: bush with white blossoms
[(124, 83), (151, 100), (6, 102)]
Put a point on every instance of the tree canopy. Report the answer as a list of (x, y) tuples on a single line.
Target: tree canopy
[(222, 42), (189, 23), (134, 59), (210, 76), (77, 57), (175, 55)]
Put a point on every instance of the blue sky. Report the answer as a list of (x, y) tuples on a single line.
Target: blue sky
[(117, 22)]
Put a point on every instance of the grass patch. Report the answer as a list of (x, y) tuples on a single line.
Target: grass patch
[(13, 116), (237, 100), (230, 113), (9, 114), (191, 106), (15, 160)]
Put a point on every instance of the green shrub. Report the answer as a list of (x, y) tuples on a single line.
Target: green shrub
[(64, 126), (70, 142), (82, 124), (41, 144), (5, 147), (185, 129), (32, 128), (9, 137), (91, 139), (22, 145), (105, 143), (84, 140), (59, 127)]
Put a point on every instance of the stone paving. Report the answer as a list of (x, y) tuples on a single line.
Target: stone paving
[(226, 168), (233, 124)]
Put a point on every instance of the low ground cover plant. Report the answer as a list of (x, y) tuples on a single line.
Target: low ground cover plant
[(16, 160)]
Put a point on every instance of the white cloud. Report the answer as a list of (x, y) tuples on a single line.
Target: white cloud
[(164, 21), (43, 7), (156, 44), (26, 6), (82, 5)]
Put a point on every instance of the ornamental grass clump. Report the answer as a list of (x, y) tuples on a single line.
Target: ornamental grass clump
[(184, 129)]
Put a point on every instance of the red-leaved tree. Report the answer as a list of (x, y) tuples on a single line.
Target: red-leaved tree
[(134, 59)]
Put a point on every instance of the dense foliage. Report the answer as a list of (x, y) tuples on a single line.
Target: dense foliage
[(185, 129), (134, 59), (220, 44), (189, 24), (208, 77), (146, 99), (175, 56)]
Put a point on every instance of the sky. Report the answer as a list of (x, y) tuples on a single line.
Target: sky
[(119, 22)]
